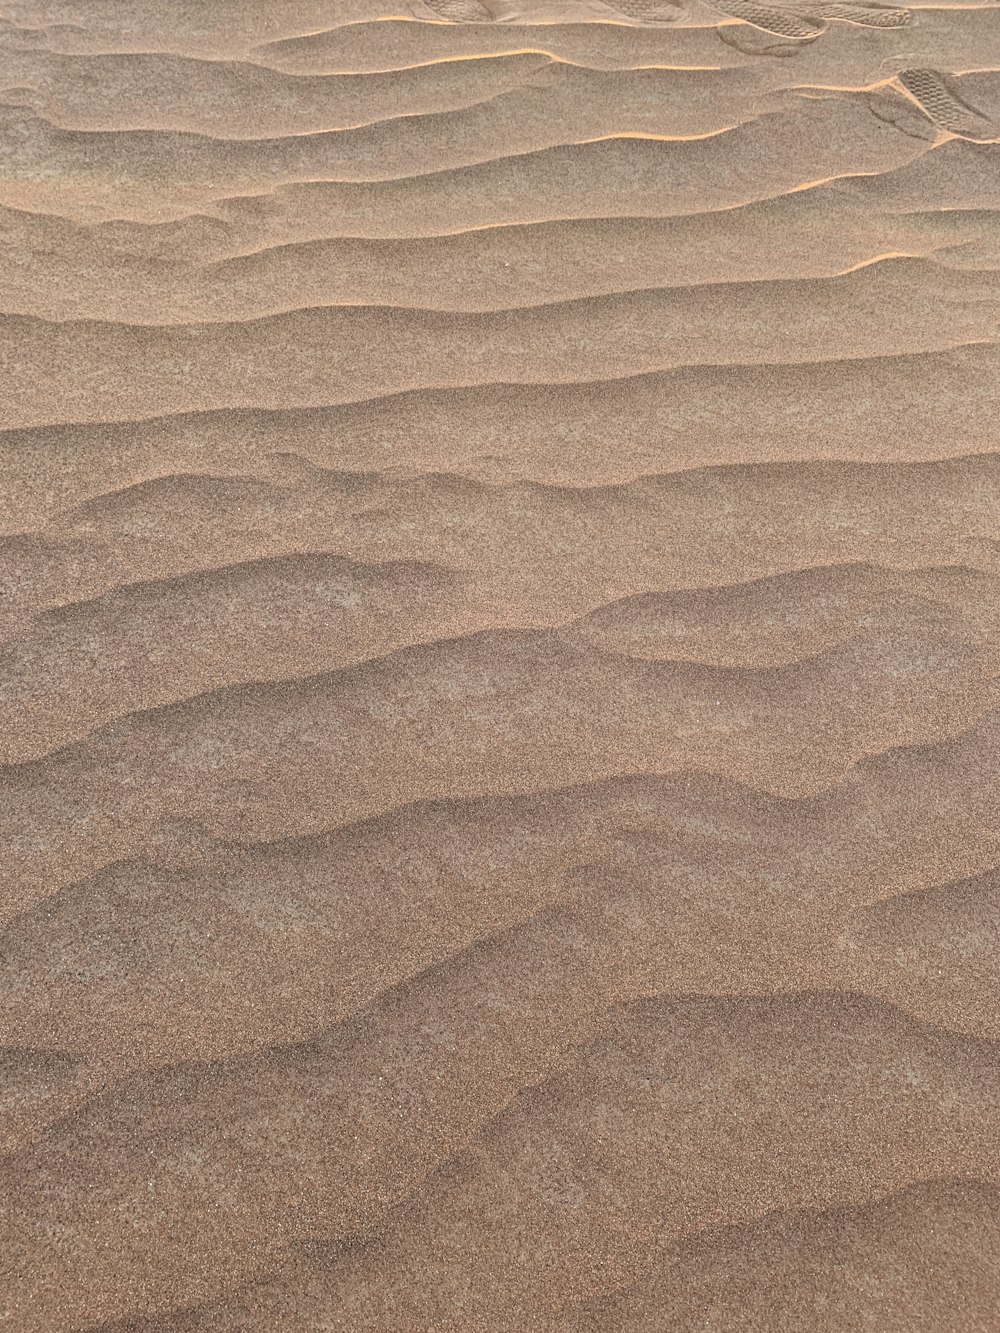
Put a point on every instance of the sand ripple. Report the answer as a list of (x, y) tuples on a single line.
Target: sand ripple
[(499, 666)]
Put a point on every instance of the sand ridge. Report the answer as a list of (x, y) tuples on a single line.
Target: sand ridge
[(499, 659)]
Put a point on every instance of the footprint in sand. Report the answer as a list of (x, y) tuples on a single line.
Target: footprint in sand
[(647, 11), (460, 11), (939, 100), (781, 21), (797, 24), (866, 16), (921, 102)]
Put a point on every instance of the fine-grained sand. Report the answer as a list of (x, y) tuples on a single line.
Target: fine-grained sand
[(499, 666)]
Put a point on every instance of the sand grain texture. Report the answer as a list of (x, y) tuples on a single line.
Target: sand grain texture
[(499, 666)]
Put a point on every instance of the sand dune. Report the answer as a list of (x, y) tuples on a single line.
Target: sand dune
[(499, 666)]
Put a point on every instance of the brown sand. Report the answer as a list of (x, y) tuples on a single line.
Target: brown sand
[(499, 666)]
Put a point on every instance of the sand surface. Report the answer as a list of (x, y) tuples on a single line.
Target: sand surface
[(499, 666)]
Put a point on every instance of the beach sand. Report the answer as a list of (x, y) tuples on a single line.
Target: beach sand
[(499, 656)]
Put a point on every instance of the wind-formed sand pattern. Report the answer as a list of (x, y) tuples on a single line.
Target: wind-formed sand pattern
[(499, 658)]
